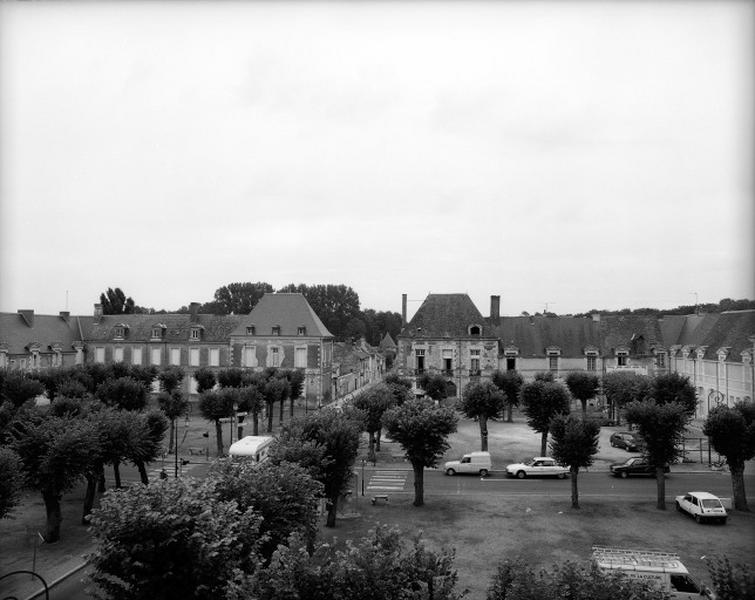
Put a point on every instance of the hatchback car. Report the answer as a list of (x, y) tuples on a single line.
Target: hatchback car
[(703, 506), (626, 440), (538, 466), (634, 465)]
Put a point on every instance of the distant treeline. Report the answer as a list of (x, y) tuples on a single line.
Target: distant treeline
[(687, 309)]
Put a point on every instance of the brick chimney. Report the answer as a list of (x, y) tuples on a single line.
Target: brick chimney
[(596, 317), (65, 315), (194, 312), (495, 309), (403, 309), (97, 312), (28, 316)]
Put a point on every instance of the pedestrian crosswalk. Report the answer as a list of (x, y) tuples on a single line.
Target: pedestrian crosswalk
[(387, 481)]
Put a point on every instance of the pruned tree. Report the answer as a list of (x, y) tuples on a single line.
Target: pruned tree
[(541, 401), (674, 387), (422, 429), (275, 390), (296, 384), (583, 386), (622, 388), (232, 377), (11, 480), (731, 431), (115, 302), (205, 378), (125, 393), (482, 401), (574, 442), (661, 426), (174, 404), (170, 378), (400, 387), (146, 440), (510, 383), (215, 406), (434, 385), (251, 401), (374, 402), (18, 388), (174, 539)]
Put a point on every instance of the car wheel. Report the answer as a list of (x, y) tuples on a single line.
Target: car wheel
[(624, 474), (521, 474), (698, 519), (483, 472), (450, 472), (613, 444), (723, 521)]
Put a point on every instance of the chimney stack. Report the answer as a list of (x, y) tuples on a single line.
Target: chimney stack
[(495, 309), (403, 309), (97, 312), (596, 317), (28, 316), (194, 312), (65, 315)]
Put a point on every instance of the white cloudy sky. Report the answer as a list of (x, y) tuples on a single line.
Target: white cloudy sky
[(584, 155)]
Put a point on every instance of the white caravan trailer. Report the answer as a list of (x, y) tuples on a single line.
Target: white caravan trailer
[(253, 447)]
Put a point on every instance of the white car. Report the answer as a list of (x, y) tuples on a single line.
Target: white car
[(538, 466), (702, 506)]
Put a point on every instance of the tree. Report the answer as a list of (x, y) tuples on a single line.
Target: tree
[(55, 452), (125, 393), (296, 384), (575, 443), (205, 379), (661, 426), (174, 405), (422, 429), (543, 400), (510, 383), (172, 540), (583, 386), (517, 580), (274, 390), (238, 298), (215, 406), (170, 378), (382, 566), (731, 581), (251, 401), (622, 388), (374, 402), (115, 302), (674, 387), (434, 385), (731, 431), (146, 440), (11, 480), (231, 377), (482, 401), (400, 387), (283, 494), (336, 305), (19, 388), (338, 435)]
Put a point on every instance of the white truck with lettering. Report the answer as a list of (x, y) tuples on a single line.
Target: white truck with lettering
[(664, 570)]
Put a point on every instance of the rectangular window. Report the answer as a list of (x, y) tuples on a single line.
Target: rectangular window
[(118, 354), (193, 357), (250, 356), (660, 360), (214, 357), (474, 366), (275, 357), (195, 333), (156, 356), (621, 359), (553, 363), (157, 333), (175, 356), (592, 363), (300, 358), (276, 330), (250, 330), (510, 363), (301, 331), (136, 356), (99, 354)]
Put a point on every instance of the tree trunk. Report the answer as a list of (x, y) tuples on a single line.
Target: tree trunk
[(270, 410), (255, 424), (509, 413), (54, 517), (544, 443), (101, 487), (371, 451), (574, 490), (739, 497), (660, 480), (377, 439), (280, 414), (584, 408), (219, 436), (89, 496), (483, 433), (240, 428), (143, 470), (291, 407), (117, 473), (419, 484), (172, 433), (332, 506)]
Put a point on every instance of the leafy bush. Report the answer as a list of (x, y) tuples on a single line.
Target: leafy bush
[(731, 581)]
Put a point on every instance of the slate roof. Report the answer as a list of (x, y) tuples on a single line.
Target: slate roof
[(446, 316), (216, 328), (289, 311), (731, 329), (532, 335), (638, 333), (16, 335), (387, 344)]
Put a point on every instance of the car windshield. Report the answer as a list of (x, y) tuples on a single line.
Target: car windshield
[(711, 503), (529, 462)]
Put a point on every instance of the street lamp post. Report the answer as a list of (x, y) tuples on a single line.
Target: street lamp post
[(363, 461)]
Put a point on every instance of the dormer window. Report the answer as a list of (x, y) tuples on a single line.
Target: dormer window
[(195, 334), (475, 330), (119, 331), (158, 331), (301, 330), (553, 352), (622, 358), (250, 330), (276, 329)]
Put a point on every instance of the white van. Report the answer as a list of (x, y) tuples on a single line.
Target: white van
[(662, 569), (474, 462), (253, 447)]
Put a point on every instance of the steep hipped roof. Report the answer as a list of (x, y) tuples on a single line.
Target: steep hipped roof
[(16, 334), (730, 330), (215, 328), (289, 311), (445, 316), (387, 343), (532, 335)]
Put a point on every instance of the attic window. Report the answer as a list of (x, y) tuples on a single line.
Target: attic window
[(301, 330), (158, 331), (196, 333), (119, 331), (622, 358), (474, 330), (276, 329), (250, 329)]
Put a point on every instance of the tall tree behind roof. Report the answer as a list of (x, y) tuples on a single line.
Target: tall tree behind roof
[(336, 305), (237, 298), (115, 302)]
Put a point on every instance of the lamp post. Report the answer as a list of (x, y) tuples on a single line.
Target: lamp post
[(363, 461)]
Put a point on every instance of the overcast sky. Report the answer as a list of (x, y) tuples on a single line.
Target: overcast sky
[(584, 155)]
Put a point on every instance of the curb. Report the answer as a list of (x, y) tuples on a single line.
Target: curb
[(52, 584)]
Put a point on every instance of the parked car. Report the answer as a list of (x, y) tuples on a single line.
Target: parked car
[(634, 465), (703, 506), (478, 463), (626, 440), (538, 466)]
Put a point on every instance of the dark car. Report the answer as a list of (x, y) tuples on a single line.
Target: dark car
[(635, 465), (626, 440)]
